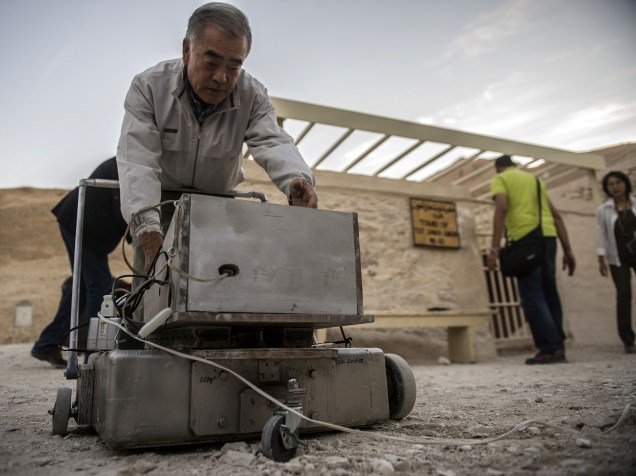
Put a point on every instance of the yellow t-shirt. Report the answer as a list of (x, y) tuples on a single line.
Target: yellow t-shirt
[(523, 204)]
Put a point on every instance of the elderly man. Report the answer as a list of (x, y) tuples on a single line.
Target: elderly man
[(517, 210), (186, 121)]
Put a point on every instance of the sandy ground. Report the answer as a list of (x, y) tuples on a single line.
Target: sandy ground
[(34, 257), (454, 402)]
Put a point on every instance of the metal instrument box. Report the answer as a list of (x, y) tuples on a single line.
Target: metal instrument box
[(246, 340), (287, 260)]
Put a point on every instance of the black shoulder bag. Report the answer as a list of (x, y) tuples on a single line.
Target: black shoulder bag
[(519, 257)]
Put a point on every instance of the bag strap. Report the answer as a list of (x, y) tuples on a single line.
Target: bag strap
[(539, 197)]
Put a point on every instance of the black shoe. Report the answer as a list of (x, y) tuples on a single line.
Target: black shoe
[(52, 356), (543, 358)]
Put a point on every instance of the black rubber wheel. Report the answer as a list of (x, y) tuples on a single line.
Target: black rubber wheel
[(400, 383), (272, 441), (62, 411)]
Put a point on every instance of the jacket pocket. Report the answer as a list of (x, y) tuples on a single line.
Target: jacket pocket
[(170, 140)]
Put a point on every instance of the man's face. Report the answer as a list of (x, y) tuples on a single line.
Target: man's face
[(214, 63)]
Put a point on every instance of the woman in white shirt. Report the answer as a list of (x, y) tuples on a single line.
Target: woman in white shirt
[(616, 247)]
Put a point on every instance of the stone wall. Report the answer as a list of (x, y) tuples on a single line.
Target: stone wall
[(399, 277)]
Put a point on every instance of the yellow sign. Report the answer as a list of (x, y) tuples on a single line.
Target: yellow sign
[(434, 223)]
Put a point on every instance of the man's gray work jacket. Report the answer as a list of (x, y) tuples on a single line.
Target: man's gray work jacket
[(162, 145)]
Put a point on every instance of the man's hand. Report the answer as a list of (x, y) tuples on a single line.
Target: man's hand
[(151, 244), (568, 258), (569, 262), (492, 259), (302, 194)]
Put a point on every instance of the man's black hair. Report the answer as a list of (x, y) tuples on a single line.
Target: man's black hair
[(504, 161)]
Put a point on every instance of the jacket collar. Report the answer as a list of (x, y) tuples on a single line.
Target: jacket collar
[(610, 202)]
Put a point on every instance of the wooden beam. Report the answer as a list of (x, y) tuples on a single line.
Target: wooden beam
[(427, 162), (374, 146), (462, 162), (286, 108)]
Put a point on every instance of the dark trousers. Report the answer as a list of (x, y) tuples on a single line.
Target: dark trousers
[(541, 303), (621, 275), (95, 283)]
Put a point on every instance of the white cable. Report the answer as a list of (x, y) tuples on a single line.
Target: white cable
[(150, 326), (127, 232), (164, 314), (371, 434), (173, 250), (194, 278)]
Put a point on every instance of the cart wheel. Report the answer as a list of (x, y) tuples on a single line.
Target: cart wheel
[(272, 441), (400, 383), (62, 411)]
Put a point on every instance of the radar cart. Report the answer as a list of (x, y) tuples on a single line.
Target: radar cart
[(218, 343)]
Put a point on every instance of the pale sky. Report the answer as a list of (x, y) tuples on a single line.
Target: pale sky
[(560, 73)]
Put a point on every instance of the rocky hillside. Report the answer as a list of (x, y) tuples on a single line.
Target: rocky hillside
[(34, 262)]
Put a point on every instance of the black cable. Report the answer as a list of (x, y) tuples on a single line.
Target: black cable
[(68, 333), (154, 263), (345, 340)]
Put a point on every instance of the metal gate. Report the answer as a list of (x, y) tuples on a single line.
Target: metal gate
[(508, 325)]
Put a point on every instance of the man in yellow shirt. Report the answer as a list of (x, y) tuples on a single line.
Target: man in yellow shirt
[(517, 211)]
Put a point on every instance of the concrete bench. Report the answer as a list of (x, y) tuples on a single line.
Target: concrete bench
[(460, 325)]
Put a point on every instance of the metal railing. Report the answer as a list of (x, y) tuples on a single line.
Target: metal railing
[(508, 325)]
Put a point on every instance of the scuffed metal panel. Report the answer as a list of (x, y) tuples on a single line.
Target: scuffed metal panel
[(290, 261)]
